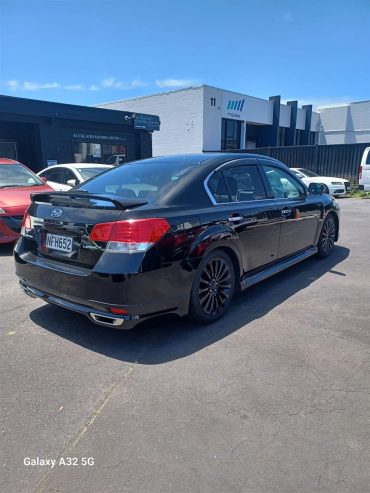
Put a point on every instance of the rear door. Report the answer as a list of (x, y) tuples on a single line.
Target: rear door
[(239, 194), (299, 212)]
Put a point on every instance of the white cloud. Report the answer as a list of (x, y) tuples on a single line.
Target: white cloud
[(114, 83), (93, 87), (177, 82), (15, 85), (74, 87)]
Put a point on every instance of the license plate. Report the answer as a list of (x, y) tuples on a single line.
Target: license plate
[(58, 242)]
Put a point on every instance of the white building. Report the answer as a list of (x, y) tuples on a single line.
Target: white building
[(206, 118), (346, 124)]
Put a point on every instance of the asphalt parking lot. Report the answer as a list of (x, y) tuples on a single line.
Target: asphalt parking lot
[(275, 397)]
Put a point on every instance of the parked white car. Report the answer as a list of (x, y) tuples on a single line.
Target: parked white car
[(63, 177), (332, 185), (364, 171), (116, 159)]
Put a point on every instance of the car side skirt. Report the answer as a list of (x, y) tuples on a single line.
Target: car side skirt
[(248, 279)]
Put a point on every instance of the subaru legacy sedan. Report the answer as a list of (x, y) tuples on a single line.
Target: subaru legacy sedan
[(176, 234)]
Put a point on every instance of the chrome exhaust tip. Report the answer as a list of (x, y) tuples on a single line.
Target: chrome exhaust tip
[(106, 320), (28, 291)]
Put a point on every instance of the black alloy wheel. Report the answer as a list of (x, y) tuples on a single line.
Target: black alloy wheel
[(327, 237), (213, 287)]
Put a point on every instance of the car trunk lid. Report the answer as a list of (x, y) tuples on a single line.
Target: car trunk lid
[(60, 224)]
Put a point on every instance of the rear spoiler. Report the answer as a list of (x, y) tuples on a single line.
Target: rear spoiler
[(84, 199)]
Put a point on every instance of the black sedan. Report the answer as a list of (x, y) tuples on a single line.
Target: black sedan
[(176, 234)]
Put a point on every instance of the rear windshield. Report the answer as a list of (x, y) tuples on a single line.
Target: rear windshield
[(16, 175), (88, 173), (139, 180)]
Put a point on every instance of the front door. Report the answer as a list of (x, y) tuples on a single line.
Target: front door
[(300, 213)]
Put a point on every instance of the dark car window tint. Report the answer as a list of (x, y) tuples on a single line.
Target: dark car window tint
[(67, 174), (368, 158), (53, 175), (244, 183), (217, 186), (282, 184), (146, 179)]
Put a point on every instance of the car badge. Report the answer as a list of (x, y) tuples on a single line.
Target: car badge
[(56, 212)]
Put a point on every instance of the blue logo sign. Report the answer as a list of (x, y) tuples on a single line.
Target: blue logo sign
[(236, 105)]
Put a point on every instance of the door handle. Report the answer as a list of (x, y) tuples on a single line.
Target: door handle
[(236, 219), (286, 212)]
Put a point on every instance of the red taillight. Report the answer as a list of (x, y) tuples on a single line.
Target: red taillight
[(360, 173), (118, 311), (26, 223), (131, 235)]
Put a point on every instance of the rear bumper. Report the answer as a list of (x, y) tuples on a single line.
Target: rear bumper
[(100, 317), (142, 295)]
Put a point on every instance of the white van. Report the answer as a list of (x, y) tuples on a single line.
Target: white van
[(364, 171)]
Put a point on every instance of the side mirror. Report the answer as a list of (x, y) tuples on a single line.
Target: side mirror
[(71, 183), (43, 179), (316, 189)]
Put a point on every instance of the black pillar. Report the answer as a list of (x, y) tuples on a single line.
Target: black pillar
[(269, 135), (305, 138), (290, 135)]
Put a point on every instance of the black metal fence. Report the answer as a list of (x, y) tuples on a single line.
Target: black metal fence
[(341, 160)]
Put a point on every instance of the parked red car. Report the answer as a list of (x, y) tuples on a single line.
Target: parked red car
[(16, 185)]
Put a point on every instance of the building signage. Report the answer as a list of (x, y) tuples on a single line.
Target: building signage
[(233, 106), (87, 137), (146, 122)]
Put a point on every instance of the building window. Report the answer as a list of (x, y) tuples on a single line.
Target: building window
[(230, 134), (213, 101), (298, 137), (86, 152), (281, 138), (312, 138), (8, 149)]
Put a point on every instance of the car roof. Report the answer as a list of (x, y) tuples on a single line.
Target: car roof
[(79, 165), (199, 158), (5, 160)]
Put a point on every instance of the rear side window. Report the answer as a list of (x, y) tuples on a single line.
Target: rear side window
[(218, 188), (368, 158), (238, 184), (244, 183)]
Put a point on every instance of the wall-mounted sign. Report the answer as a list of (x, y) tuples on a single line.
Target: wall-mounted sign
[(51, 162), (233, 106), (146, 122), (87, 137)]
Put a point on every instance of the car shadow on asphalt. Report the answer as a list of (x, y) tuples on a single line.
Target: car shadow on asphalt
[(6, 250), (169, 338)]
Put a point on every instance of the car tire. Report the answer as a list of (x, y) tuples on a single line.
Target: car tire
[(213, 288), (327, 237)]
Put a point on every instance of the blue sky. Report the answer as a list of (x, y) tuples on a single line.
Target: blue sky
[(89, 51)]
